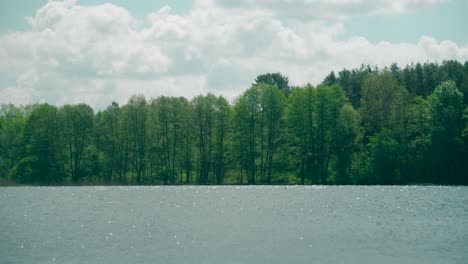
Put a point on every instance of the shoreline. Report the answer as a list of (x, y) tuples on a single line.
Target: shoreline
[(13, 184)]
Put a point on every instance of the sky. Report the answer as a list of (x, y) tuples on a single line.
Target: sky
[(96, 52)]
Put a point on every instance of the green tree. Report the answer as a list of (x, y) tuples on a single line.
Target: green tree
[(351, 83), (446, 105), (136, 116), (302, 131), (275, 79), (347, 136), (41, 159), (188, 136), (273, 104), (380, 94), (76, 125), (167, 131), (211, 114), (330, 79), (241, 138), (368, 126), (172, 139), (329, 102), (384, 158), (258, 113), (222, 111), (12, 121), (108, 130), (419, 140)]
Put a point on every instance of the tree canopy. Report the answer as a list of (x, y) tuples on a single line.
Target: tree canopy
[(360, 126)]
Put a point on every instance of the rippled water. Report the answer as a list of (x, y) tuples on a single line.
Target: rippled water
[(256, 224)]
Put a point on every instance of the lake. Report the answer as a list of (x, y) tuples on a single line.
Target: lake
[(234, 224)]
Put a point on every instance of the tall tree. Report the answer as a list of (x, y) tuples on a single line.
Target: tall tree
[(347, 136), (446, 105), (42, 160), (302, 131), (419, 140), (248, 108), (260, 110), (368, 126), (77, 124), (222, 113), (12, 121), (380, 93), (329, 102), (211, 114), (136, 113), (108, 131), (273, 103), (172, 133)]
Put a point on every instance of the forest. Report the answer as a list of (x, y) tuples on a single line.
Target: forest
[(396, 125)]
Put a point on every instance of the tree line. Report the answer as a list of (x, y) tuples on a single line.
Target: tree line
[(361, 126)]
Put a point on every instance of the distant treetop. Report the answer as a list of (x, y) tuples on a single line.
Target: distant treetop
[(276, 79)]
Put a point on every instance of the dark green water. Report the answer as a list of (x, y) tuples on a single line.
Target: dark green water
[(257, 224)]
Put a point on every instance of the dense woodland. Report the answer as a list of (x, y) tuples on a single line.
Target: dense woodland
[(362, 126)]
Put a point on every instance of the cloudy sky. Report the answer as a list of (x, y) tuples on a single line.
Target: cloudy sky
[(96, 51)]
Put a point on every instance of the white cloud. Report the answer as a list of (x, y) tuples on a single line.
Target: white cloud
[(99, 54), (120, 90), (17, 95), (24, 91), (319, 9)]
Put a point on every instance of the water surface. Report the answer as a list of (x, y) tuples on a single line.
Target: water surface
[(258, 224)]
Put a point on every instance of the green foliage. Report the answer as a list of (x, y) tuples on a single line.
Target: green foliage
[(135, 119), (383, 158), (12, 122), (380, 96), (347, 140), (446, 106), (361, 126), (109, 144), (275, 79), (258, 114), (211, 124), (418, 134), (302, 132), (76, 126), (42, 158)]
